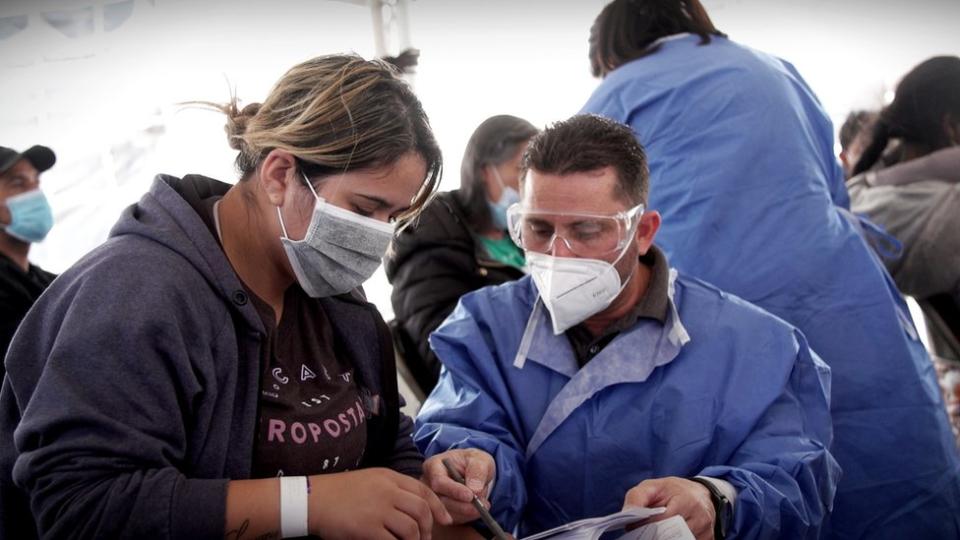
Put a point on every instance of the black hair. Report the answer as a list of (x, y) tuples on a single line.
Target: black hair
[(496, 140), (926, 99), (588, 142), (854, 124), (625, 29)]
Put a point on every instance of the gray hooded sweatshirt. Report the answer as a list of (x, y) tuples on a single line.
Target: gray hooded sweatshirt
[(132, 385), (918, 202)]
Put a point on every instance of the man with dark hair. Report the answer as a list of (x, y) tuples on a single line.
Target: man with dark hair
[(25, 218), (606, 380)]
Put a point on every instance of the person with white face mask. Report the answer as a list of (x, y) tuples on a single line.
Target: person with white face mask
[(25, 218), (213, 370), (459, 244), (606, 379)]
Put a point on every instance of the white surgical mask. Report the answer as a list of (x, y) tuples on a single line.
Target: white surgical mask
[(573, 289), (340, 250)]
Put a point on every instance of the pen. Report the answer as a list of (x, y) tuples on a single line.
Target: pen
[(484, 514)]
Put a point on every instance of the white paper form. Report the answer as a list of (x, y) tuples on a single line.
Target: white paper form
[(674, 528), (593, 528)]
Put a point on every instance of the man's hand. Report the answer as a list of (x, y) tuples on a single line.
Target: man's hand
[(373, 503), (479, 470), (681, 497)]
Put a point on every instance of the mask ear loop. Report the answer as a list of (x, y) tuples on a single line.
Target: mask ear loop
[(310, 185), (339, 180), (503, 186), (317, 198), (283, 228), (497, 174)]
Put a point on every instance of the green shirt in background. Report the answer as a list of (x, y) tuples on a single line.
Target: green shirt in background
[(504, 251)]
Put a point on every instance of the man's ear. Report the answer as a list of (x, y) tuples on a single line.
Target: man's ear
[(647, 230), (278, 173)]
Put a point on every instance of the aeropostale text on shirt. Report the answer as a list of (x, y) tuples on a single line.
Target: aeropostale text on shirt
[(333, 426)]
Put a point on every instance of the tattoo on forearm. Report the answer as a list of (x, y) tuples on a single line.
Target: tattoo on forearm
[(238, 533)]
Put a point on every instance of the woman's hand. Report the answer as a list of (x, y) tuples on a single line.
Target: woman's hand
[(375, 504)]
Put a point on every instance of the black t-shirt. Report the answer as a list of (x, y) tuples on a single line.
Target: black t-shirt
[(310, 417), (18, 291)]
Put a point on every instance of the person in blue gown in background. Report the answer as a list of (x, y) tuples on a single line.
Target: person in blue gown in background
[(742, 170)]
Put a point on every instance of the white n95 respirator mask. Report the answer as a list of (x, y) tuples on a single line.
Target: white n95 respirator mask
[(573, 289)]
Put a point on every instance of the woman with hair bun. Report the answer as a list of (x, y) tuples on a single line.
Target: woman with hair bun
[(213, 369)]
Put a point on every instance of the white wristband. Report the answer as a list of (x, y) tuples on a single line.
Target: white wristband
[(293, 506)]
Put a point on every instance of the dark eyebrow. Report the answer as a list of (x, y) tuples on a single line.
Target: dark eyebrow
[(538, 221), (382, 203), (582, 222), (377, 200)]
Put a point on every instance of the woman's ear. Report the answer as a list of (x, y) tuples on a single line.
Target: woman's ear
[(278, 173)]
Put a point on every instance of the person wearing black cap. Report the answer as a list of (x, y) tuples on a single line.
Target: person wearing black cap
[(25, 218)]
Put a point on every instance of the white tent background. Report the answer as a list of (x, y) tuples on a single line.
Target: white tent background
[(99, 81)]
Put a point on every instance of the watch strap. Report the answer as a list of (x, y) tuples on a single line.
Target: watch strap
[(721, 507)]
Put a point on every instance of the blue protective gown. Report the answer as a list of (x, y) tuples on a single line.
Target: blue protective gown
[(742, 170), (730, 392)]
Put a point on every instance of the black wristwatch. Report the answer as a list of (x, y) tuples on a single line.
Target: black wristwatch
[(721, 507)]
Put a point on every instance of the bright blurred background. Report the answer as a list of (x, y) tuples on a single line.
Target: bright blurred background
[(100, 81)]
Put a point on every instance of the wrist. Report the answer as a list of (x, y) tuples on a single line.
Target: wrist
[(294, 506), (316, 503), (722, 507)]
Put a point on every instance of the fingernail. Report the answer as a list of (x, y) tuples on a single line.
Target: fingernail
[(475, 485)]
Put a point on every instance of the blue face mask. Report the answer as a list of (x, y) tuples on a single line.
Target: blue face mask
[(30, 216), (508, 196)]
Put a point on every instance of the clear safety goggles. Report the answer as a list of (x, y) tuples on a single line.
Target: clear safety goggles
[(585, 235)]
